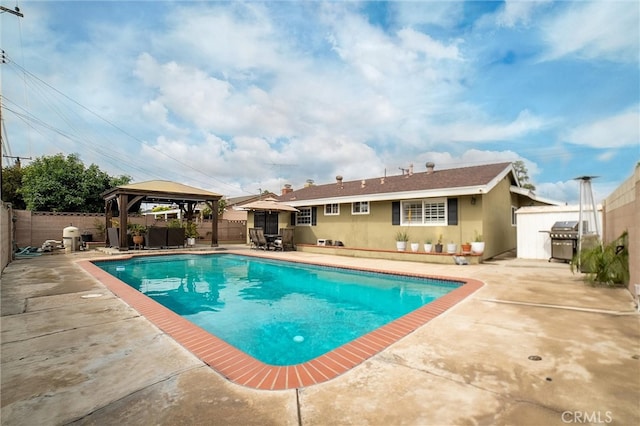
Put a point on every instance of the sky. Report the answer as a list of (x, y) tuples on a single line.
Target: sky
[(242, 97)]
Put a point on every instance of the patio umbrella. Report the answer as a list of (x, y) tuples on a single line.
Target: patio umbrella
[(268, 204)]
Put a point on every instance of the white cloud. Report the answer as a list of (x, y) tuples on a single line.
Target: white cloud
[(516, 12), (481, 129), (440, 13), (595, 30), (611, 132)]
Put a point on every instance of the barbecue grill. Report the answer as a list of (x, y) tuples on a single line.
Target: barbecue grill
[(564, 240)]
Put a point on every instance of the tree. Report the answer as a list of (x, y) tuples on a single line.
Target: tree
[(11, 183), (56, 183), (523, 175)]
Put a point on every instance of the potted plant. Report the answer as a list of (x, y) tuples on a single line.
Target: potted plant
[(415, 247), (191, 232), (428, 246), (477, 246), (439, 244), (137, 233), (465, 247), (451, 247), (401, 240)]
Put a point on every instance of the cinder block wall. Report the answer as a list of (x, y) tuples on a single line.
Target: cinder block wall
[(34, 228), (622, 212)]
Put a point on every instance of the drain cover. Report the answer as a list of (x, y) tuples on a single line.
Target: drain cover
[(535, 358), (636, 357)]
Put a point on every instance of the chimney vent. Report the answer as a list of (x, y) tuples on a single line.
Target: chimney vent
[(287, 189), (410, 169), (308, 183), (430, 167)]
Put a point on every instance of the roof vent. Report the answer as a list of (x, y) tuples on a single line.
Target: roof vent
[(410, 169), (363, 183), (339, 180), (430, 167), (308, 183)]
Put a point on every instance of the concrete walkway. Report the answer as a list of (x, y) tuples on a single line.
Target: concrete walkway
[(70, 356)]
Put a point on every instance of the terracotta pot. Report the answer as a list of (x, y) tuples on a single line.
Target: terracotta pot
[(466, 248)]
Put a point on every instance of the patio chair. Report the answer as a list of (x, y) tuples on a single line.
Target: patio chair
[(261, 240), (287, 238), (253, 238)]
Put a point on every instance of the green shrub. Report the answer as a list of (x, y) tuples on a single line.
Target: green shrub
[(605, 265)]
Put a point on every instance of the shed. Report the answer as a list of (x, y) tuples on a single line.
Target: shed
[(534, 224)]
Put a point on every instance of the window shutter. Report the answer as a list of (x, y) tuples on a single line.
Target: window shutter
[(395, 213), (292, 219), (314, 216), (452, 211)]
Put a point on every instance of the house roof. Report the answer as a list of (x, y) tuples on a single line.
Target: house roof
[(238, 201), (446, 182)]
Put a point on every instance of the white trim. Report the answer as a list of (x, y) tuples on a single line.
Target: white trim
[(310, 216), (528, 193), (331, 214), (361, 213), (394, 196), (423, 201)]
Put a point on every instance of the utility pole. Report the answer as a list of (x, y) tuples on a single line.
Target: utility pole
[(15, 11)]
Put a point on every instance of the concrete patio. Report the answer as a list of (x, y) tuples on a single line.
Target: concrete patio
[(94, 360)]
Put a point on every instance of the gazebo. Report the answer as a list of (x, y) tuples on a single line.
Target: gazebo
[(128, 198)]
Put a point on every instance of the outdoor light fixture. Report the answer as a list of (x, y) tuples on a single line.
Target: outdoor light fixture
[(473, 200)]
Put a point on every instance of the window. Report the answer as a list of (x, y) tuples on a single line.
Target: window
[(435, 212), (360, 207), (412, 212), (424, 212), (514, 220), (331, 209), (303, 217)]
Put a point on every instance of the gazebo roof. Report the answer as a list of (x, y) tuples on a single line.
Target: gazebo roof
[(162, 191)]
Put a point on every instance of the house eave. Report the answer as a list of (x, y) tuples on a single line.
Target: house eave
[(528, 193), (393, 196)]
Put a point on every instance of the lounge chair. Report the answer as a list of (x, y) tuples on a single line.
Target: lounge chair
[(260, 239)]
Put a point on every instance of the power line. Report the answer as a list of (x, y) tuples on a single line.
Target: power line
[(36, 79)]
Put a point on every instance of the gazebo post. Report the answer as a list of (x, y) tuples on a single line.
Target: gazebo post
[(107, 221), (122, 207), (214, 223)]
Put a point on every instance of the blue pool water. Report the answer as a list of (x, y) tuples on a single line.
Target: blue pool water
[(281, 313)]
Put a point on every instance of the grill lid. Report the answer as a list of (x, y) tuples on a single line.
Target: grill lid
[(565, 226)]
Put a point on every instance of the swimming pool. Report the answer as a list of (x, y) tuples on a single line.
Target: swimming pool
[(240, 368), (281, 313)]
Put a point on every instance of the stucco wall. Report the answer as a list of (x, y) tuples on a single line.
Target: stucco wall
[(375, 230), (622, 212), (498, 234), (6, 232)]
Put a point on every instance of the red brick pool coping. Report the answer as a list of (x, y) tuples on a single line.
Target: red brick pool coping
[(245, 370)]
